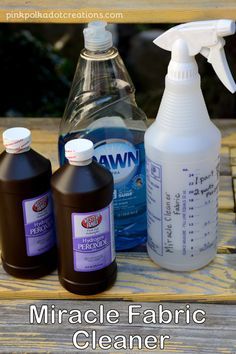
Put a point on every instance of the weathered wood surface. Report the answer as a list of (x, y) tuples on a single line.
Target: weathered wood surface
[(139, 279), (228, 130), (138, 11), (233, 164), (233, 170), (233, 156), (216, 335), (226, 195), (234, 185), (225, 161), (227, 233)]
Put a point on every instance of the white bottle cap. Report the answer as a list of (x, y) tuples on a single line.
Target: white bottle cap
[(16, 140), (96, 37), (79, 151)]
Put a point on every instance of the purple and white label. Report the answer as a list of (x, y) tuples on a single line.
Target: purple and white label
[(39, 224), (93, 239)]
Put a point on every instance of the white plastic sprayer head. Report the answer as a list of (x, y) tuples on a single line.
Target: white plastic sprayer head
[(182, 66), (180, 52), (96, 36), (225, 27), (205, 37)]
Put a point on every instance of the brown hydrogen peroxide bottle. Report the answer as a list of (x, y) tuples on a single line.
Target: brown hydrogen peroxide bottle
[(82, 193), (26, 215)]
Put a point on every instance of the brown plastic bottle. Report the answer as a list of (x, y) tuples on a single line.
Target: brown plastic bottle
[(82, 194), (26, 215)]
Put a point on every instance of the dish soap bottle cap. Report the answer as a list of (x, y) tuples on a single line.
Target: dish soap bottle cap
[(16, 140), (96, 37), (79, 151)]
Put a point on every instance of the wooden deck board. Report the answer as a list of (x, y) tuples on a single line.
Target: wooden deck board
[(226, 195), (228, 130), (216, 336), (234, 186), (227, 233), (225, 160), (233, 162), (233, 156), (233, 169), (138, 11), (139, 279)]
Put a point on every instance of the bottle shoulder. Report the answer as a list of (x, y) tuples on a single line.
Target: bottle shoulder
[(84, 188), (24, 166), (70, 180), (101, 88), (201, 142)]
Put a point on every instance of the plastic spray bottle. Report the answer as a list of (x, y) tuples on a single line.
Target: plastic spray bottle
[(102, 108), (182, 151)]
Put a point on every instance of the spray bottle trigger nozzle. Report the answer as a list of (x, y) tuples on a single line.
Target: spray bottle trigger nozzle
[(216, 57), (205, 37)]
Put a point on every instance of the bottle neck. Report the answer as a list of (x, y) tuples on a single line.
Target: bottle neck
[(17, 152), (81, 163), (99, 55), (183, 106)]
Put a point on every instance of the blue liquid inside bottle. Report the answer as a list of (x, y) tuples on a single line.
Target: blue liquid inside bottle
[(121, 150)]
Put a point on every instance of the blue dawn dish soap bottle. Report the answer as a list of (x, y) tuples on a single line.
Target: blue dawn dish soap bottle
[(102, 108)]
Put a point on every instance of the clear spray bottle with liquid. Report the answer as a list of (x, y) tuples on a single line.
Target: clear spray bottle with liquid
[(101, 107), (182, 151)]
